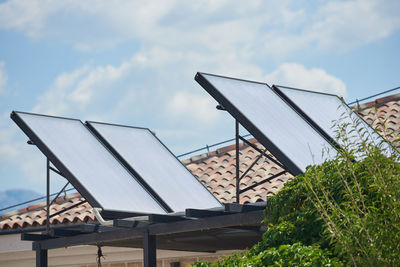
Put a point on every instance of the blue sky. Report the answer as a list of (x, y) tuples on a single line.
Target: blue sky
[(133, 62)]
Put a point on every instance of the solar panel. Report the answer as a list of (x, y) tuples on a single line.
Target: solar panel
[(326, 109), (156, 165), (86, 163), (270, 119)]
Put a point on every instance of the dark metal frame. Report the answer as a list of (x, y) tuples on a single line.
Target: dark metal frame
[(226, 220), (239, 177), (51, 156), (283, 161), (236, 217), (315, 125), (224, 104), (62, 169), (138, 177), (305, 116), (303, 90), (110, 147), (245, 122), (49, 203)]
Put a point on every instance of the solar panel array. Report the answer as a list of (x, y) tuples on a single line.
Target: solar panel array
[(270, 119), (127, 169), (100, 176)]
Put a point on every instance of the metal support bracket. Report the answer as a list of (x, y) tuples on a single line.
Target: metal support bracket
[(41, 257), (198, 213), (262, 154), (149, 250), (47, 197), (48, 202)]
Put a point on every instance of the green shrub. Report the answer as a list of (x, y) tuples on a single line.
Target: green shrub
[(357, 196), (284, 255), (345, 211), (359, 204)]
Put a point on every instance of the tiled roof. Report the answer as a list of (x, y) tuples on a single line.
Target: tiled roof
[(216, 170), (35, 215), (383, 111)]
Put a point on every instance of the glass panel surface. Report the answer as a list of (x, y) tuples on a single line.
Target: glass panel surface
[(275, 119), (326, 109), (91, 164), (158, 167)]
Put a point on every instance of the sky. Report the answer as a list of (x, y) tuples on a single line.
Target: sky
[(134, 62)]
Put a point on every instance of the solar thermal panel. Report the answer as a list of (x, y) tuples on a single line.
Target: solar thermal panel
[(270, 119), (142, 151), (328, 109), (87, 164)]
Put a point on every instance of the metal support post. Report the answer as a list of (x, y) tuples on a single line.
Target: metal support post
[(237, 162), (41, 257), (48, 197), (149, 250)]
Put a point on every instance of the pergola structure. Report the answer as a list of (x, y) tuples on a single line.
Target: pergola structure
[(237, 227)]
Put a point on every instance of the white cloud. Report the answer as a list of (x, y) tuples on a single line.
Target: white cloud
[(56, 100), (346, 24), (255, 28), (99, 78), (74, 91), (189, 105), (297, 75), (3, 76)]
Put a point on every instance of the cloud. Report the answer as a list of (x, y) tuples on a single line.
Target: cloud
[(75, 91), (189, 105), (297, 75), (56, 100), (346, 24), (256, 28), (3, 77)]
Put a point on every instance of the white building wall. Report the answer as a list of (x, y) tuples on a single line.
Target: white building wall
[(17, 253)]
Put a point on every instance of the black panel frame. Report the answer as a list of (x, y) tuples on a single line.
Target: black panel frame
[(126, 164), (306, 117), (330, 139), (51, 156), (245, 122), (65, 171), (129, 167)]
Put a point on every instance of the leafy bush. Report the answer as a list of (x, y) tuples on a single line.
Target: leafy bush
[(345, 211), (284, 255), (359, 205), (357, 196)]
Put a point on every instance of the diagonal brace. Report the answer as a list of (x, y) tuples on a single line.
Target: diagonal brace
[(263, 181), (252, 165), (70, 207), (262, 152)]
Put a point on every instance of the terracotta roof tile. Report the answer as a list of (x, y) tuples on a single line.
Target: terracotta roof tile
[(216, 170), (383, 111), (35, 215)]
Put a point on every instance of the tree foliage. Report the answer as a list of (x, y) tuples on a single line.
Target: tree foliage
[(345, 211)]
